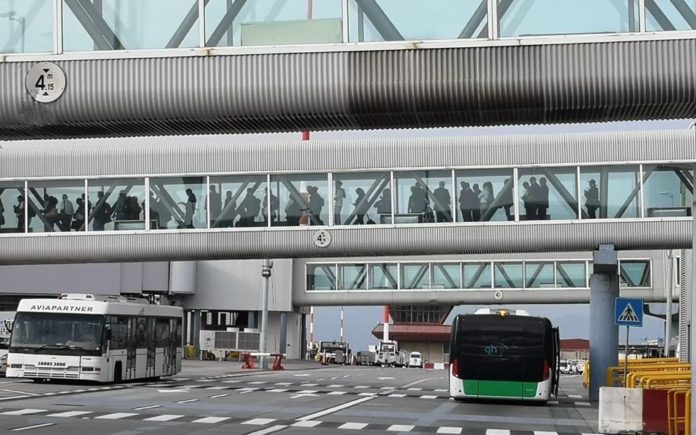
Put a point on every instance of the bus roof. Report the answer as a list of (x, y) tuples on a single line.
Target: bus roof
[(72, 306)]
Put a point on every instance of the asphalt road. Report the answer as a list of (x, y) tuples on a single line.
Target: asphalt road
[(220, 398)]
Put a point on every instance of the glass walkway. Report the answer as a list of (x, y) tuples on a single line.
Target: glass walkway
[(80, 26), (395, 198)]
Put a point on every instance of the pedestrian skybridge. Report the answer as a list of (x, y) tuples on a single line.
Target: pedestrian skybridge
[(450, 280), (131, 200), (202, 66)]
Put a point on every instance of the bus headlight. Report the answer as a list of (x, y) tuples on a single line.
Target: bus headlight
[(15, 366)]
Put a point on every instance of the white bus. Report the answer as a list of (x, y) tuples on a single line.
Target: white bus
[(95, 338)]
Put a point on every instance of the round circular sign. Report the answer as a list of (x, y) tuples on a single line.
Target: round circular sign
[(322, 238), (498, 295), (45, 82)]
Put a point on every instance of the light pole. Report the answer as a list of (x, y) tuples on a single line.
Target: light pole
[(21, 20)]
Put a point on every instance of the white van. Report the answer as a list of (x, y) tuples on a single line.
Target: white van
[(415, 360)]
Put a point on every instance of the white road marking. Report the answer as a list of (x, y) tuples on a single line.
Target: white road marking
[(396, 395), (308, 385), (583, 404), (384, 378), (146, 407), (441, 390), (210, 420), (337, 393), (367, 394), (116, 415), (552, 402), (400, 428), (303, 395), (449, 430), (334, 409), (307, 423), (361, 387), (172, 391), (575, 396), (259, 421), (67, 414), (24, 411), (217, 396), (22, 397), (418, 382), (268, 430), (217, 388), (301, 375), (541, 432), (425, 396), (257, 382), (36, 426), (332, 386), (306, 391), (284, 384), (247, 390), (231, 382), (164, 417), (187, 401), (20, 392), (415, 389), (278, 390), (497, 432), (352, 426)]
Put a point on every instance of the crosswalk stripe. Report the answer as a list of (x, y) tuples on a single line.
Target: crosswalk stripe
[(428, 397), (69, 414), (24, 411), (541, 432), (337, 393), (259, 421), (400, 428), (116, 415), (36, 426), (308, 423), (352, 426), (210, 420), (164, 417), (497, 432), (449, 430)]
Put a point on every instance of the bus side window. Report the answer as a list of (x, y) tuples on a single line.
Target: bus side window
[(162, 333), (179, 336), (141, 333), (119, 331)]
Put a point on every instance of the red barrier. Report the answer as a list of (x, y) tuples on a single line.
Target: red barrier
[(655, 411), (248, 361), (277, 362)]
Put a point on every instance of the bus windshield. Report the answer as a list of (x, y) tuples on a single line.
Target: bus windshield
[(495, 348), (57, 333)]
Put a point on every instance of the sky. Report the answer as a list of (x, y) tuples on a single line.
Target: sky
[(572, 319)]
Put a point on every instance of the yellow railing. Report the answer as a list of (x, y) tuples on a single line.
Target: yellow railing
[(615, 375)]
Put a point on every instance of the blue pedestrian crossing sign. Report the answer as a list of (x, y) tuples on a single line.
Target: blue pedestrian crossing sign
[(628, 312)]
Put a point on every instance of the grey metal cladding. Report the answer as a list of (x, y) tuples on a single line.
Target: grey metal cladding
[(182, 155), (367, 241), (404, 88)]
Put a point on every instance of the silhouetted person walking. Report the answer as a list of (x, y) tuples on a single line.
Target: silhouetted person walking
[(592, 200), (443, 199), (543, 199)]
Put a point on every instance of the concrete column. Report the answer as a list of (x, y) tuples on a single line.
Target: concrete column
[(252, 320), (196, 331), (283, 333), (604, 335)]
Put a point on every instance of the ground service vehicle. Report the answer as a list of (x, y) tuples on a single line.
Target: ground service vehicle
[(95, 338), (388, 354), (415, 360), (365, 358), (503, 354), (335, 352)]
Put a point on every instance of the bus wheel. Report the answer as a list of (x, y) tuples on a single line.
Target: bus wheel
[(37, 380), (117, 373)]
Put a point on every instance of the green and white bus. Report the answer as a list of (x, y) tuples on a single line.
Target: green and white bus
[(94, 338), (504, 354)]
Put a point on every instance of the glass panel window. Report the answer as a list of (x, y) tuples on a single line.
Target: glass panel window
[(302, 199), (12, 208), (384, 276), (485, 195), (26, 26), (128, 25), (352, 276), (179, 201), (634, 273), (262, 22), (508, 275), (56, 206), (119, 204), (571, 274), (670, 15), (548, 194), (321, 277), (362, 198), (241, 201), (539, 274), (446, 276), (610, 192), (553, 17), (667, 190), (415, 276), (477, 275), (423, 196), (395, 20)]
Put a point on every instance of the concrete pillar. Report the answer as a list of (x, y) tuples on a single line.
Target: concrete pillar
[(604, 335), (196, 331), (283, 333), (252, 320)]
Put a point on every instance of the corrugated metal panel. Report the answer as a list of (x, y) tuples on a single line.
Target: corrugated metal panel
[(165, 155), (579, 82), (295, 243)]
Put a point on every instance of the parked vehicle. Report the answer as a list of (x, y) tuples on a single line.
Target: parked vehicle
[(388, 354), (415, 360), (366, 358)]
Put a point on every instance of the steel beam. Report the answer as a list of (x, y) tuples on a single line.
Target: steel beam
[(380, 20), (103, 36), (185, 26), (659, 16), (686, 12), (225, 23)]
